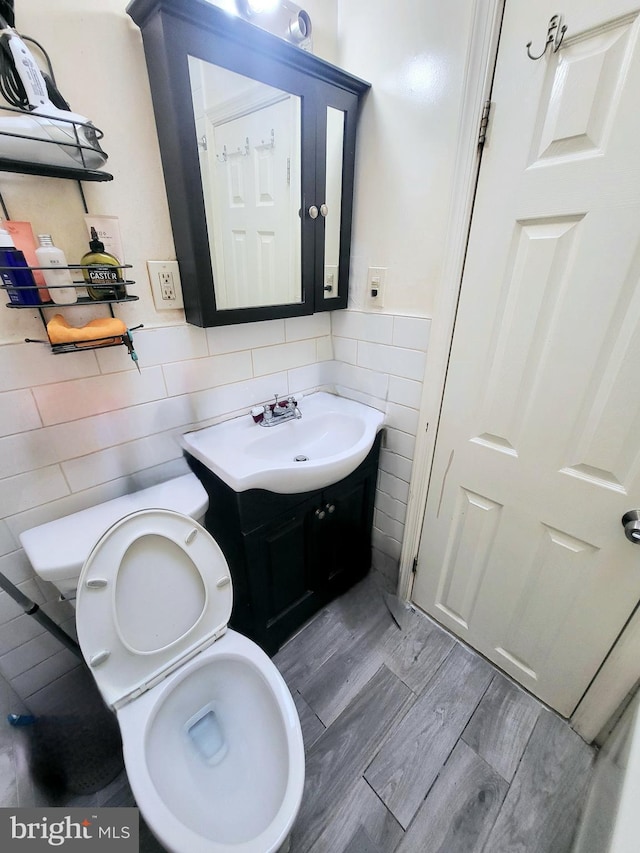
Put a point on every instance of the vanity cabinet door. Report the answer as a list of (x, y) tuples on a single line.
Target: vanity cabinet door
[(284, 587), (342, 534)]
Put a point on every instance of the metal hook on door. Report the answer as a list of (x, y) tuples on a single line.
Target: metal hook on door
[(555, 36)]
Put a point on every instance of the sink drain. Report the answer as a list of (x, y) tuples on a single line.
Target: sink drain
[(301, 458)]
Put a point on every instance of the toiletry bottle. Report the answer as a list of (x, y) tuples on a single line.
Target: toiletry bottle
[(24, 239), (59, 280), (104, 276), (18, 280)]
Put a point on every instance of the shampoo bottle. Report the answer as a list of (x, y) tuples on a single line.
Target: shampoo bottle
[(18, 278), (104, 276), (58, 281)]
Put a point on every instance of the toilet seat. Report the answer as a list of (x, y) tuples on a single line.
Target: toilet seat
[(154, 591)]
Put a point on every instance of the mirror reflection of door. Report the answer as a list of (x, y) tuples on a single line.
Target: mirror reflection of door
[(254, 233), (249, 143)]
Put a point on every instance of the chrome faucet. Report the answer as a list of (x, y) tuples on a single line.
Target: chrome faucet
[(276, 413)]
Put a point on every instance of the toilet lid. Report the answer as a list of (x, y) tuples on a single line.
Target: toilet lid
[(154, 591)]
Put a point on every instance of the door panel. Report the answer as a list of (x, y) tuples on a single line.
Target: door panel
[(256, 229), (538, 448)]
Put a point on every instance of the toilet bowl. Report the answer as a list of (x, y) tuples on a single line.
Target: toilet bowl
[(211, 737)]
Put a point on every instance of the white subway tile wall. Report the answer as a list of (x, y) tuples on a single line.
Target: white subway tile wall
[(79, 430), (380, 360)]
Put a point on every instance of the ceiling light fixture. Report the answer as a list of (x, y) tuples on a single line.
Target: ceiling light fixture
[(280, 17), (249, 8)]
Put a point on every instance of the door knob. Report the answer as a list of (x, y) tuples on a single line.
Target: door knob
[(631, 524), (320, 513), (313, 212), (324, 210)]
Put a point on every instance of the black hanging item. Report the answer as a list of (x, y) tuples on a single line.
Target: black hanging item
[(6, 11), (77, 752)]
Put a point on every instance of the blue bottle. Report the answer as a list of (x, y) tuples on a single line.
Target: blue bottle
[(18, 281)]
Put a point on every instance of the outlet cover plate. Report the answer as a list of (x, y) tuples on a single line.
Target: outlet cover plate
[(161, 274)]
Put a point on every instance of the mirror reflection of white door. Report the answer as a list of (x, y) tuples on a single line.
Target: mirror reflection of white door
[(538, 450), (255, 171)]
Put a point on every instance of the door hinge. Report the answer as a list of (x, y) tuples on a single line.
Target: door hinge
[(414, 567), (484, 123)]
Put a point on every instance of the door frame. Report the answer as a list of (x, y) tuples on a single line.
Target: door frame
[(618, 675), (480, 60)]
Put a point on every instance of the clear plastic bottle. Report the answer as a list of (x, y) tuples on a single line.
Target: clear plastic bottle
[(59, 282)]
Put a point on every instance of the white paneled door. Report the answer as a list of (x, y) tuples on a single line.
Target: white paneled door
[(523, 553)]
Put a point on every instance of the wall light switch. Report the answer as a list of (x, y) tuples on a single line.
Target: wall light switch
[(165, 284), (330, 281), (375, 286)]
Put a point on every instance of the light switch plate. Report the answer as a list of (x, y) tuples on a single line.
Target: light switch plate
[(375, 286)]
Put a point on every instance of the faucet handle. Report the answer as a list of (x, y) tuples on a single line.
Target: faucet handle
[(268, 412)]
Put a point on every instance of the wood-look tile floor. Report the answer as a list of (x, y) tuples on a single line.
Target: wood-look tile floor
[(414, 744)]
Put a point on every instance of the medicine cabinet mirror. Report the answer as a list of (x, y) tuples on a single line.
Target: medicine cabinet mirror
[(257, 138)]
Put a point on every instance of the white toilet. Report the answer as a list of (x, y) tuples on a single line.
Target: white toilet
[(211, 737)]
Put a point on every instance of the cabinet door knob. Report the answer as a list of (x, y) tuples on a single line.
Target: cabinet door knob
[(324, 209), (330, 507), (313, 211), (320, 513)]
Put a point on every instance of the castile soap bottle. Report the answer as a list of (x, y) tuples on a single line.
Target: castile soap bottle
[(104, 271)]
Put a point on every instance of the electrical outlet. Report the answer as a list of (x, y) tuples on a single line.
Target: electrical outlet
[(375, 286), (167, 287), (165, 284)]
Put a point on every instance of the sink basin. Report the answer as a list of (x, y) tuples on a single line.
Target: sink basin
[(329, 441)]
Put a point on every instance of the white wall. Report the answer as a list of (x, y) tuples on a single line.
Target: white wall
[(414, 55), (79, 429), (380, 360)]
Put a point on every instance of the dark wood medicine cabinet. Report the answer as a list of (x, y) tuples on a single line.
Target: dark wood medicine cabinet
[(242, 115)]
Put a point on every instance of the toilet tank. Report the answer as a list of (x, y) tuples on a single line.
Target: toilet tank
[(58, 550)]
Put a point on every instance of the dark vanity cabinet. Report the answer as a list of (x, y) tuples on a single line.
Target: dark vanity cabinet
[(291, 554), (257, 139)]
